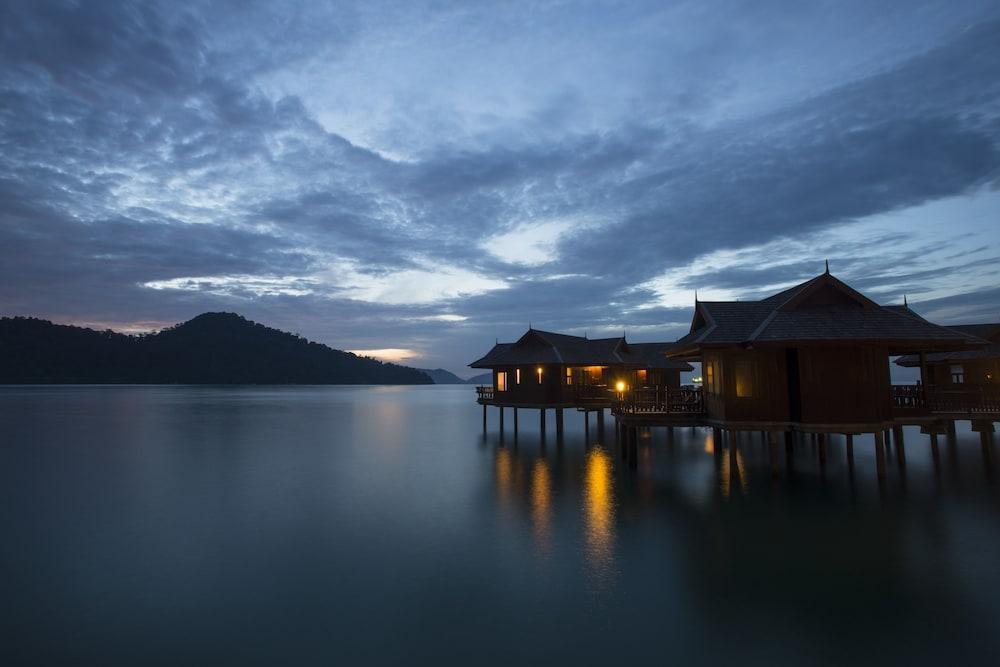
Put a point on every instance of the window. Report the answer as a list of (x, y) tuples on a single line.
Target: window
[(539, 372), (957, 374), (501, 380), (517, 376), (744, 372), (569, 376), (640, 376), (710, 377)]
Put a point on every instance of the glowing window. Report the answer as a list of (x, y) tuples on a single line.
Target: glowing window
[(502, 381), (744, 372), (569, 376), (539, 372), (517, 376), (641, 375), (710, 377)]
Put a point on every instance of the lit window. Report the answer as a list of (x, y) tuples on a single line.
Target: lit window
[(957, 374), (502, 381), (517, 376), (569, 376), (539, 372), (710, 377), (641, 376), (744, 371)]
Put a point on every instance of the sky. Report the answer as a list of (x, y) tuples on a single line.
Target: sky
[(420, 179)]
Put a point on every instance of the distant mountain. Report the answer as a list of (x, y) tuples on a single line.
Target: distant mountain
[(213, 348), (441, 376), (482, 379)]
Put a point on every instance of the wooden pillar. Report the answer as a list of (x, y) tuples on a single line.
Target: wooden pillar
[(484, 418), (821, 441), (951, 429), (880, 453), (541, 420), (772, 451), (850, 449), (501, 418), (600, 421), (734, 442), (935, 454), (586, 426), (559, 421), (515, 422), (897, 436)]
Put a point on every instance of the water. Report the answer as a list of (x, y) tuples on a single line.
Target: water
[(362, 525)]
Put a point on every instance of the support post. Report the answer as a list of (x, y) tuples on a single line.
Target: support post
[(586, 426), (880, 453), (600, 421), (515, 422), (772, 451), (541, 420), (821, 439), (897, 436), (559, 422), (500, 408), (935, 454), (850, 449), (484, 418)]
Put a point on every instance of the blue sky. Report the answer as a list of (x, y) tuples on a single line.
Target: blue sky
[(427, 177)]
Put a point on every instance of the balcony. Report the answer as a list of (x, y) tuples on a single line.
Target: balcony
[(971, 401), (660, 400)]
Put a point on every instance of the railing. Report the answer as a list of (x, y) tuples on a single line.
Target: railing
[(908, 396), (593, 393), (972, 399), (484, 393), (661, 400)]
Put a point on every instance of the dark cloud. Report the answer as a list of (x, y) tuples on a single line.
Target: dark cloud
[(144, 142)]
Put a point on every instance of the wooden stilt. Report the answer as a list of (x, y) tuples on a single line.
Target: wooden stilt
[(880, 453), (897, 437), (501, 418), (515, 422), (935, 454), (821, 441), (541, 420), (484, 418), (850, 449), (600, 421), (586, 425), (559, 421), (772, 451)]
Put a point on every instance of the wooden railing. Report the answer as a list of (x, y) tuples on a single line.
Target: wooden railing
[(661, 400), (908, 396), (971, 400), (484, 393)]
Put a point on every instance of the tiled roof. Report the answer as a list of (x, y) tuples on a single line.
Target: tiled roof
[(821, 309), (545, 347), (988, 332)]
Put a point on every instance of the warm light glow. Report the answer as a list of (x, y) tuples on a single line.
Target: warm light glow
[(393, 355), (539, 371), (517, 376), (620, 386), (541, 504), (502, 381), (599, 510)]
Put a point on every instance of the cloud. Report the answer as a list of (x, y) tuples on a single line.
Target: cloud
[(452, 172)]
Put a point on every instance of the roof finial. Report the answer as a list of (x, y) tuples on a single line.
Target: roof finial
[(827, 262), (529, 326), (904, 301), (696, 296)]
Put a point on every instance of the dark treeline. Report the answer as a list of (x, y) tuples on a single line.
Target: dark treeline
[(213, 348)]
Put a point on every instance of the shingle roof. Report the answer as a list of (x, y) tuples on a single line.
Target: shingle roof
[(822, 309), (546, 347), (988, 332)]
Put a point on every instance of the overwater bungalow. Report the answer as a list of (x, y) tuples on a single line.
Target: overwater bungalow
[(544, 370), (965, 369), (814, 357)]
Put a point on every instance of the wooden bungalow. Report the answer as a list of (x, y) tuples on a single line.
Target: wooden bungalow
[(966, 368), (813, 358), (552, 370)]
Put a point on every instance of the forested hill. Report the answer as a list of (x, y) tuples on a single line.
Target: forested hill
[(213, 348)]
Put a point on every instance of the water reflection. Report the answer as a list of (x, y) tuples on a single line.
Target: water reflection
[(598, 505), (541, 505), (733, 465)]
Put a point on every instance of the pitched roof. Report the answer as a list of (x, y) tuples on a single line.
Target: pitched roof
[(546, 347), (823, 309), (987, 332)]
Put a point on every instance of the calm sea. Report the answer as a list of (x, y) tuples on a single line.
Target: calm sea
[(378, 525)]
